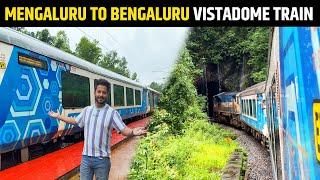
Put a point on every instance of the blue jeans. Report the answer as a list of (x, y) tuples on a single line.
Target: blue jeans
[(100, 166)]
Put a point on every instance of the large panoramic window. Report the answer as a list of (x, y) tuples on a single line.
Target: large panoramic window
[(250, 107), (150, 97), (118, 92), (129, 95), (75, 90), (254, 109), (138, 97)]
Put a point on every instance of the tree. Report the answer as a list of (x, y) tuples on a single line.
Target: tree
[(44, 35), (61, 41), (113, 62), (156, 86), (234, 50), (88, 50), (135, 77)]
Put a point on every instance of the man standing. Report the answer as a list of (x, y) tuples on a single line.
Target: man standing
[(98, 121)]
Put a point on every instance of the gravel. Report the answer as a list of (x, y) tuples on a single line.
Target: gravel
[(259, 162)]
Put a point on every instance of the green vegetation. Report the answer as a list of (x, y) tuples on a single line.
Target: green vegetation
[(200, 153), (156, 86), (241, 53), (182, 144)]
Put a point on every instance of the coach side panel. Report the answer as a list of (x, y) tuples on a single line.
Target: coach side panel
[(253, 113), (300, 87), (30, 87)]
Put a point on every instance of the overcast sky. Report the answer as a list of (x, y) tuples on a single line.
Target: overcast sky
[(150, 52)]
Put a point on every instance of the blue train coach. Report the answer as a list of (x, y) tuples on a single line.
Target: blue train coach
[(293, 102), (36, 78), (252, 105)]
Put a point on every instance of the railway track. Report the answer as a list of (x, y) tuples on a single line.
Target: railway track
[(259, 163)]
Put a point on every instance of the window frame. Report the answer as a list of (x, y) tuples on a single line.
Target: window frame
[(135, 97), (63, 74), (114, 95)]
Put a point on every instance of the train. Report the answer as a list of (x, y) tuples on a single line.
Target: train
[(36, 78), (284, 111), (245, 109)]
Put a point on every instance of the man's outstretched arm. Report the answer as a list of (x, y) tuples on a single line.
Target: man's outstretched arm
[(62, 118), (133, 132)]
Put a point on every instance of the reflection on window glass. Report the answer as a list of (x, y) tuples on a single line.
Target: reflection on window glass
[(138, 97), (118, 95), (129, 95), (75, 91)]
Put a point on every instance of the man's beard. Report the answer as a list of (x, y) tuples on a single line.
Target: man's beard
[(100, 102)]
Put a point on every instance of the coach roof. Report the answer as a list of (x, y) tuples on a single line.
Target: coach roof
[(19, 39), (255, 89)]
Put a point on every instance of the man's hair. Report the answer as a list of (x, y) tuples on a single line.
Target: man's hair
[(102, 82)]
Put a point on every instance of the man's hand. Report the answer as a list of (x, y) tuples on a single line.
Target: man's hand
[(62, 118), (138, 131), (53, 114)]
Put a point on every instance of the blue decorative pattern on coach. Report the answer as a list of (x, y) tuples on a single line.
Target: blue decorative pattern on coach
[(31, 93)]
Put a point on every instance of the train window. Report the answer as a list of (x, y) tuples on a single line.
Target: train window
[(248, 102), (247, 110), (250, 107), (75, 90), (118, 92), (155, 100), (31, 61), (241, 106), (138, 97), (129, 95), (108, 91), (244, 106), (151, 99), (254, 108)]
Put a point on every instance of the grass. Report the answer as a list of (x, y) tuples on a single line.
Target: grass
[(200, 152)]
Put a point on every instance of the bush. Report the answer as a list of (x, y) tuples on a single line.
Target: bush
[(179, 94), (182, 144), (201, 152)]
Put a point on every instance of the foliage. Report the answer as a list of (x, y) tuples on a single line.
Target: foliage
[(114, 63), (201, 152), (156, 86), (246, 47), (257, 45), (88, 50), (182, 144), (179, 92), (135, 77), (179, 96), (61, 41), (45, 36)]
